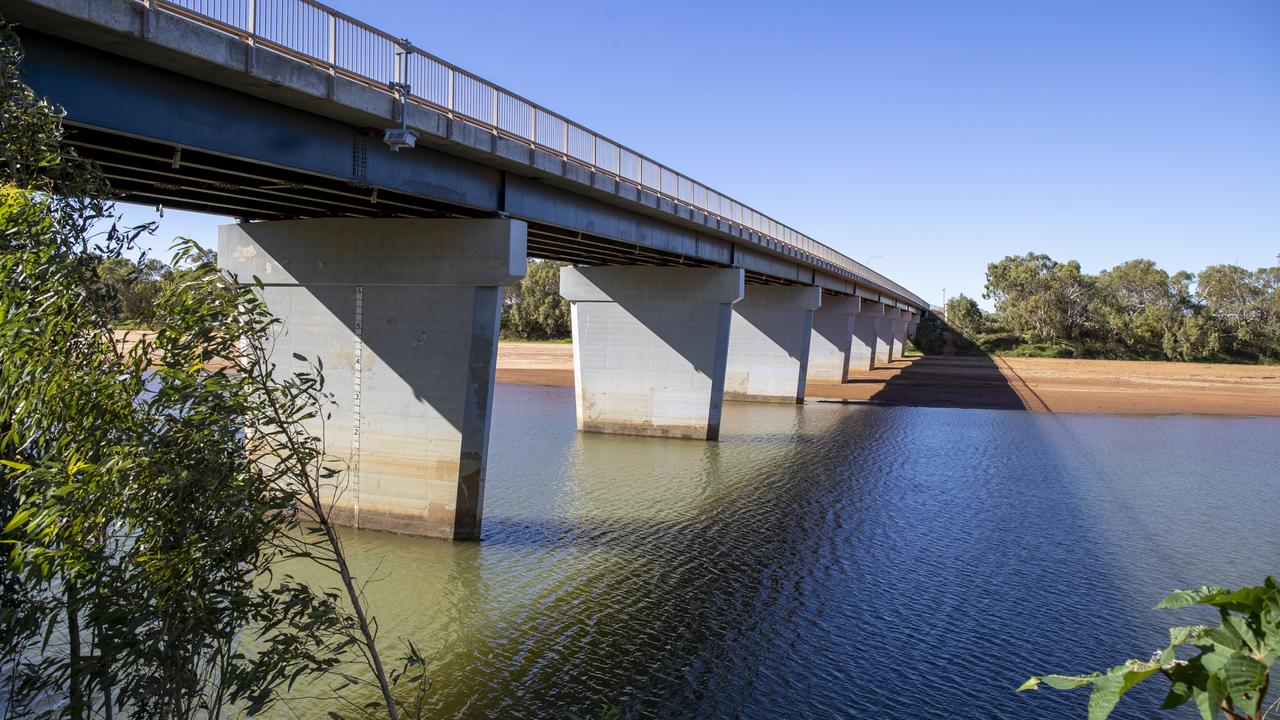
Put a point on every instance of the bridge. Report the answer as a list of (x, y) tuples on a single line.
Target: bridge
[(385, 197)]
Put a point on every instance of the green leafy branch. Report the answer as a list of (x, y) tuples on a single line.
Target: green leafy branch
[(1231, 674)]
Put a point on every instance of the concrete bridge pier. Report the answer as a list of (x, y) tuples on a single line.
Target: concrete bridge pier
[(884, 335), (900, 334), (832, 339), (866, 328), (769, 343), (650, 347), (404, 315)]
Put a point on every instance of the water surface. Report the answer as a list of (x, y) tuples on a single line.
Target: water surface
[(824, 561)]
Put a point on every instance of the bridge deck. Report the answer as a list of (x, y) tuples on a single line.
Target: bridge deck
[(224, 115)]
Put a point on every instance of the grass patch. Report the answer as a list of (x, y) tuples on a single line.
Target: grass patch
[(1037, 350), (540, 341)]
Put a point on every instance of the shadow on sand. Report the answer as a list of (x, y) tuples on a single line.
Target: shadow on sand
[(946, 380), (954, 381)]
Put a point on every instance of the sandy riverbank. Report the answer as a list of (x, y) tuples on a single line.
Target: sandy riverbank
[(1037, 384)]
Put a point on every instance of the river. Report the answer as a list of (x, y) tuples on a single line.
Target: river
[(824, 561)]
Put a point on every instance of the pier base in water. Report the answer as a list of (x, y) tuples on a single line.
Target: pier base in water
[(403, 315), (649, 347)]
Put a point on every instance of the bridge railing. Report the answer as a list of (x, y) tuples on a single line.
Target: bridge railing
[(319, 35)]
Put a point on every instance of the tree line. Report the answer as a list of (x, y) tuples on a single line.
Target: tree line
[(1135, 310), (131, 285)]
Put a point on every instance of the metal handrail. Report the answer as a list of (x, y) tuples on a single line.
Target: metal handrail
[(316, 34)]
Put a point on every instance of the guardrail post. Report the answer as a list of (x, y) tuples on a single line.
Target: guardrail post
[(400, 51), (495, 108), (147, 13), (333, 43), (331, 85), (449, 98), (250, 60)]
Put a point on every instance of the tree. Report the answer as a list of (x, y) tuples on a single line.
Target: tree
[(1246, 305), (964, 315), (135, 285), (1268, 280), (1039, 297), (1149, 313), (1199, 337), (1230, 675), (149, 494), (533, 308)]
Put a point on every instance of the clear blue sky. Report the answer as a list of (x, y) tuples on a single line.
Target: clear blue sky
[(924, 138)]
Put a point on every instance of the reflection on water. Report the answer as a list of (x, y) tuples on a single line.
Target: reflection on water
[(822, 561)]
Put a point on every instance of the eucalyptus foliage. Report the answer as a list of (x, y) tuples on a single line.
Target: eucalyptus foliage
[(150, 494), (963, 314), (1228, 677), (1137, 310), (533, 309)]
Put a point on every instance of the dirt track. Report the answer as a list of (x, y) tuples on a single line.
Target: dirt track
[(1037, 384)]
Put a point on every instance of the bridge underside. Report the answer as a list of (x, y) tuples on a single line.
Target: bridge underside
[(150, 172), (163, 138)]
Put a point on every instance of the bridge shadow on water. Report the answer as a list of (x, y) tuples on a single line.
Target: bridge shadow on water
[(775, 573)]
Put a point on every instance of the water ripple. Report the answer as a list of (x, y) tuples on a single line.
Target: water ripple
[(822, 561)]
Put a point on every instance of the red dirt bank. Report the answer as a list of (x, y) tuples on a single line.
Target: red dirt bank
[(1036, 384)]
